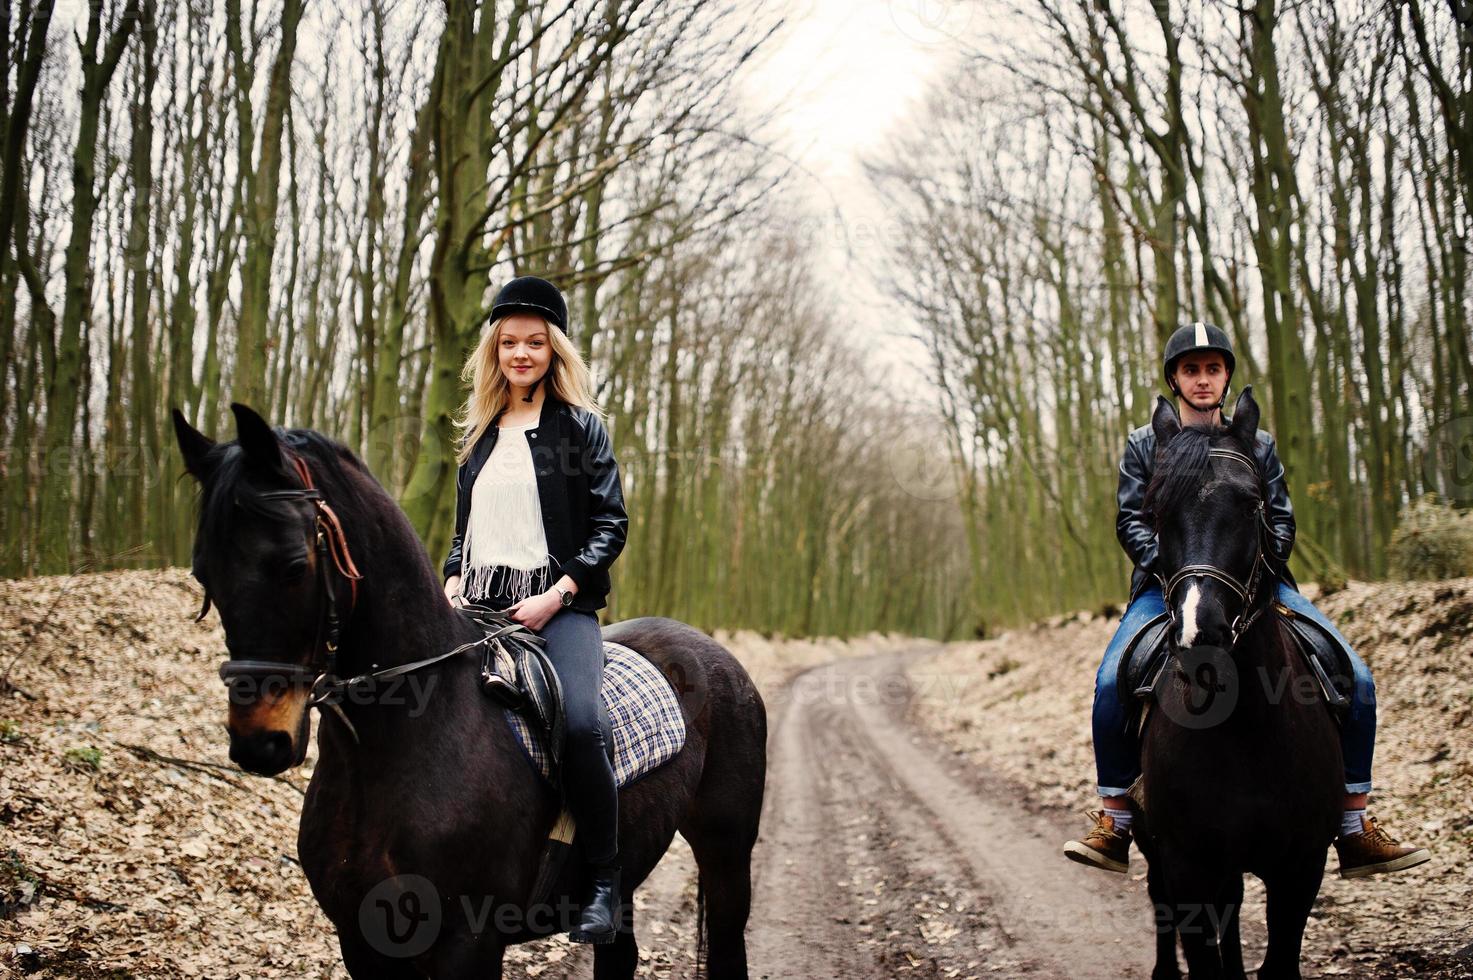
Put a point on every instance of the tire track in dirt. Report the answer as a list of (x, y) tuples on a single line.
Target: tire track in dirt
[(796, 927), (851, 787), (924, 913)]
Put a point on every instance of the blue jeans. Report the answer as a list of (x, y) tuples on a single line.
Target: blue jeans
[(1117, 750), (575, 647)]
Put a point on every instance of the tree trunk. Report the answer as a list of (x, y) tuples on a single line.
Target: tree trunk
[(60, 462)]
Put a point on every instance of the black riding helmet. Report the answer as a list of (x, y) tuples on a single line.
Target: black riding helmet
[(1191, 338), (528, 294)]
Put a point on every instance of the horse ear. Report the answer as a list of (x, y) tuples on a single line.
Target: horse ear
[(256, 438), (1165, 421), (193, 445), (1245, 417)]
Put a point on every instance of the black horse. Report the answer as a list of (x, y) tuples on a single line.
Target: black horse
[(423, 824), (1240, 757)]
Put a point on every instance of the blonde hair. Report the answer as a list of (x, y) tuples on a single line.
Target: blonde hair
[(490, 395)]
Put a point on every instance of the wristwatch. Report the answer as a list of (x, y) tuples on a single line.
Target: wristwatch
[(565, 596)]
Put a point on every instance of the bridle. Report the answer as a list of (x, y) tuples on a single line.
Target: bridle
[(1247, 592), (333, 554)]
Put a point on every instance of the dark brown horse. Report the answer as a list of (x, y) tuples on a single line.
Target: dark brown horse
[(1240, 757), (423, 824)]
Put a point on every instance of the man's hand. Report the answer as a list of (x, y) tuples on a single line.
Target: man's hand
[(534, 611)]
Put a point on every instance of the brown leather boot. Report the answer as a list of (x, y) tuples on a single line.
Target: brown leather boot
[(1373, 851), (1103, 847)]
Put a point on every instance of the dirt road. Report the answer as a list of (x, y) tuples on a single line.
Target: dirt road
[(879, 857)]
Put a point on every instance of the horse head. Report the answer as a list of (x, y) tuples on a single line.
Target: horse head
[(1206, 500), (272, 555)]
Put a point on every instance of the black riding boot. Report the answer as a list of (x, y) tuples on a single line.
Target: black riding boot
[(599, 919), (588, 777), (594, 803)]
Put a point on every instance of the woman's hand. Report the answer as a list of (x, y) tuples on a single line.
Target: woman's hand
[(452, 591), (534, 611)]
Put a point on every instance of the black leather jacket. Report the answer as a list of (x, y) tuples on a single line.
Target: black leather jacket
[(1139, 539), (578, 487)]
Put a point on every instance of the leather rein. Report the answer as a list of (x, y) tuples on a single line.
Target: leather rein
[(332, 552), (1247, 592)]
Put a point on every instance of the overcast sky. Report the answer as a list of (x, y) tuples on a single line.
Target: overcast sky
[(842, 75)]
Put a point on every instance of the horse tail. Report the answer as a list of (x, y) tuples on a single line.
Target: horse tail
[(701, 934)]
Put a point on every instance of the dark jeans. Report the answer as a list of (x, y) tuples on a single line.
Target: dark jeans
[(1117, 751), (575, 647)]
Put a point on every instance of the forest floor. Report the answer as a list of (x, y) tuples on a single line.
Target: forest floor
[(917, 798)]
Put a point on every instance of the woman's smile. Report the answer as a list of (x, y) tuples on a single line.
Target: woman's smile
[(523, 349)]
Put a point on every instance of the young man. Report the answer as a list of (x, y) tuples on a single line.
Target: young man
[(1199, 366)]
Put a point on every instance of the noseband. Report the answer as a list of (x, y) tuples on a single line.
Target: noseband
[(1247, 592)]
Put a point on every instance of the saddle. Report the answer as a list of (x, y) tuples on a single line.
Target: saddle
[(1144, 662), (517, 674), (1326, 657)]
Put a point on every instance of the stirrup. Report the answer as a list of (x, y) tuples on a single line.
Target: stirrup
[(501, 690)]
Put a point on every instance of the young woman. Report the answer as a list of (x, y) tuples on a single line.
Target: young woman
[(539, 518)]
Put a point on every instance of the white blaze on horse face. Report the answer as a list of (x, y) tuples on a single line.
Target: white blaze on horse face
[(1189, 617)]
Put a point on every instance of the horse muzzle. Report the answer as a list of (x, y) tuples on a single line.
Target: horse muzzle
[(269, 734), (265, 753)]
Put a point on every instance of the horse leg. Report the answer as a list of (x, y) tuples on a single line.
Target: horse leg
[(619, 959), (470, 960), (490, 967), (722, 829), (1166, 966), (362, 960), (1291, 896), (1230, 942), (723, 902), (1192, 893)]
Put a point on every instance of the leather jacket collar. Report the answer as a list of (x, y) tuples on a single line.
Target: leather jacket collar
[(1138, 538), (578, 488)]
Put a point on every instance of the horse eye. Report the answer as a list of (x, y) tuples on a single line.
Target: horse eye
[(293, 570)]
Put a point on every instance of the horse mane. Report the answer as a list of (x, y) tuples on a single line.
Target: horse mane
[(1181, 465), (233, 483)]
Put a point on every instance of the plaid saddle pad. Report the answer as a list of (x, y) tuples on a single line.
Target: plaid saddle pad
[(643, 712)]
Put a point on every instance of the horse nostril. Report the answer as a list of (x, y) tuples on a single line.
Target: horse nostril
[(1214, 634), (264, 753)]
